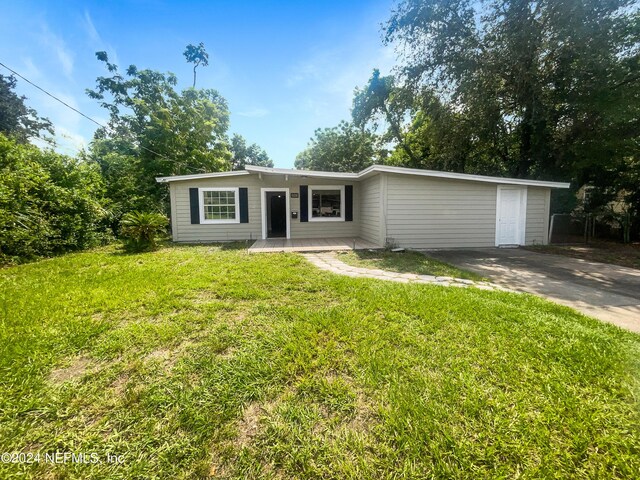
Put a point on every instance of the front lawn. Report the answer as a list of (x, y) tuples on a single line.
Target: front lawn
[(205, 361), (405, 262)]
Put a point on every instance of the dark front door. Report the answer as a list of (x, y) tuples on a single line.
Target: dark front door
[(276, 214)]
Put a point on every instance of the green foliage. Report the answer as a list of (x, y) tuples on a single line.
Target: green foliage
[(198, 56), (383, 100), (140, 229), (49, 203), (166, 132), (344, 148), (17, 120), (545, 89), (243, 154)]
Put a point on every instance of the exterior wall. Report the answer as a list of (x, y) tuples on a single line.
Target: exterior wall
[(416, 212), (425, 212), (538, 205), (370, 218), (184, 231)]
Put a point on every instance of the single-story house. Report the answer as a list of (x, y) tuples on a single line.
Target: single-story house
[(409, 207)]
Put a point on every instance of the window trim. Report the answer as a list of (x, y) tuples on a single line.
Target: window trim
[(236, 190), (341, 218)]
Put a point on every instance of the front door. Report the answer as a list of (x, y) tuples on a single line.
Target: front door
[(276, 214), (510, 217)]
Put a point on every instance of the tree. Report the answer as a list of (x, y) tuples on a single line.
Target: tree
[(382, 99), (243, 154), (344, 148), (547, 88), (197, 56), (17, 120), (166, 132)]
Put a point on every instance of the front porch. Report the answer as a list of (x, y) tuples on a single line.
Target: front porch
[(310, 245)]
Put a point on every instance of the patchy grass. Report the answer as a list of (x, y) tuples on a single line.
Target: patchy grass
[(206, 361), (605, 252), (405, 262)]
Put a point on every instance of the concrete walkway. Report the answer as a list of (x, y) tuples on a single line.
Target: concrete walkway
[(330, 262), (272, 245), (608, 292)]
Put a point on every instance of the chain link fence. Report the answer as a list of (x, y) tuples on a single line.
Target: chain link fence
[(568, 228)]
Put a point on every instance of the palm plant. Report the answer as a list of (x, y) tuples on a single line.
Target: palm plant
[(140, 229)]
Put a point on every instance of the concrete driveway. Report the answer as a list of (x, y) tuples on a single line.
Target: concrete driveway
[(607, 292)]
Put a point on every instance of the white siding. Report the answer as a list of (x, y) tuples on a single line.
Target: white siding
[(427, 212), (184, 231), (538, 204), (370, 201)]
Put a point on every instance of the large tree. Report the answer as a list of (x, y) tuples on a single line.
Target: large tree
[(244, 154), (17, 120), (167, 132), (383, 101), (550, 89), (345, 148)]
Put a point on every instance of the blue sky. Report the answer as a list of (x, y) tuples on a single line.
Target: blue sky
[(286, 68)]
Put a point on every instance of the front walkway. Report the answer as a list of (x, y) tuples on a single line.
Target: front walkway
[(310, 245), (330, 262)]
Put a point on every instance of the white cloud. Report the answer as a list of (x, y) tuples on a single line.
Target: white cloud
[(333, 74), (90, 28), (59, 113), (95, 39), (254, 113), (58, 47), (30, 70), (69, 142)]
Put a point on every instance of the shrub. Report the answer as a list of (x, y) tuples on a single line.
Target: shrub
[(49, 203), (139, 230)]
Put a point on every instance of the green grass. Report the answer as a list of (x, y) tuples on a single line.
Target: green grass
[(405, 262), (198, 361)]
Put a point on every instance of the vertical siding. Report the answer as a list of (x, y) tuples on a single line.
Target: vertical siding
[(370, 198), (537, 216), (184, 231), (427, 212)]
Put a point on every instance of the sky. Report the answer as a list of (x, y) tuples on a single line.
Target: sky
[(286, 68)]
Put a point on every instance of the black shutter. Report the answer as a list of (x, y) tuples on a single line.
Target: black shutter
[(194, 203), (348, 203), (244, 205), (304, 203)]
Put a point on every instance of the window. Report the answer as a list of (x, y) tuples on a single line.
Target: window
[(326, 203), (219, 205)]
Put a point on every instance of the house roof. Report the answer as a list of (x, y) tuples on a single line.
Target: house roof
[(367, 172)]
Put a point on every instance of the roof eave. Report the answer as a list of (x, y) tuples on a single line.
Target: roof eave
[(460, 176), (198, 176), (300, 173)]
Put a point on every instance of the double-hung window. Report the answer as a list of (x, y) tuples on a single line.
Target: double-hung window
[(219, 205), (326, 203)]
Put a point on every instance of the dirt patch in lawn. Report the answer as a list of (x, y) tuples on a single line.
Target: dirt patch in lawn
[(249, 424), (78, 368)]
